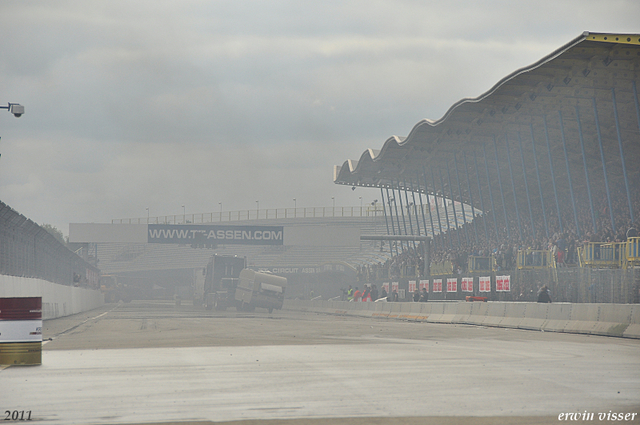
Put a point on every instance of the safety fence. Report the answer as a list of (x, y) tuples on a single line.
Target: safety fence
[(28, 250), (576, 285)]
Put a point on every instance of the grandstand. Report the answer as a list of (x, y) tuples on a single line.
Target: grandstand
[(549, 155)]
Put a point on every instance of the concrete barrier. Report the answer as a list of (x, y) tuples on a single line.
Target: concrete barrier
[(558, 317), (478, 313), (612, 320), (495, 314), (57, 300), (621, 320), (535, 316), (584, 318), (633, 330)]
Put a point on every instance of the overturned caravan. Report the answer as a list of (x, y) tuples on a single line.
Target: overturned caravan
[(262, 290)]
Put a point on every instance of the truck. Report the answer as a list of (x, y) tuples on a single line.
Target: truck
[(114, 290), (221, 279), (228, 283), (262, 290)]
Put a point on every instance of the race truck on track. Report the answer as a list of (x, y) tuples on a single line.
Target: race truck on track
[(228, 283)]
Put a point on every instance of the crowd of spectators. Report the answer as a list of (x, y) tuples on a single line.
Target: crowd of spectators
[(479, 238)]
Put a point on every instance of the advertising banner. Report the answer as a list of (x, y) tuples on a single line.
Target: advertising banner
[(394, 286), (385, 286), (206, 234), (437, 285), (424, 284), (503, 283), (485, 284), (452, 284), (467, 284), (412, 286)]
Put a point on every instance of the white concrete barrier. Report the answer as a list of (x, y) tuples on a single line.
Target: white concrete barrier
[(633, 330), (57, 300), (558, 317), (596, 319)]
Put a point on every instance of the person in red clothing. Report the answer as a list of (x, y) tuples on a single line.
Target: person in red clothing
[(357, 295), (366, 294)]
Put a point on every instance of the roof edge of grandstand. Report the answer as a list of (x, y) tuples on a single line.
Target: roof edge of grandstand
[(399, 141)]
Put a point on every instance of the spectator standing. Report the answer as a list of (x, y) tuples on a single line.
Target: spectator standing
[(543, 295)]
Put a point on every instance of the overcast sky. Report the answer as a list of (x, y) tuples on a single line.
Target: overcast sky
[(157, 104)]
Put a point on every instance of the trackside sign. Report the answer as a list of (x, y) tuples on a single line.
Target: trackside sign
[(215, 234)]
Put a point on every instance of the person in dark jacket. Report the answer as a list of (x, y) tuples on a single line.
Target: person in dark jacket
[(543, 295), (424, 296)]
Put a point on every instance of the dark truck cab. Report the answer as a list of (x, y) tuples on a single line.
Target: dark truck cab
[(221, 280)]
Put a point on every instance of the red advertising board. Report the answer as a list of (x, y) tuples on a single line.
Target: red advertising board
[(485, 283), (467, 284), (412, 286), (424, 284), (437, 285), (503, 283), (452, 284), (385, 286), (394, 286)]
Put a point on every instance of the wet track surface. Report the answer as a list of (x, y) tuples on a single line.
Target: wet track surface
[(155, 362)]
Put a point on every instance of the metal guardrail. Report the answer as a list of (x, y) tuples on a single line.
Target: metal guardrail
[(633, 251), (535, 259), (478, 264), (257, 214), (608, 254), (441, 268)]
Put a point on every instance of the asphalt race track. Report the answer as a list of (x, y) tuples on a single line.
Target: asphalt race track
[(155, 362)]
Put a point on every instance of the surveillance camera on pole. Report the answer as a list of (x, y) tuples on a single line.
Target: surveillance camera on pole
[(15, 108)]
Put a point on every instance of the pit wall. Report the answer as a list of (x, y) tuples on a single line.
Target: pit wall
[(621, 320), (57, 300)]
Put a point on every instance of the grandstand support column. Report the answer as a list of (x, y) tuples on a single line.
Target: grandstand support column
[(424, 219), (604, 165), (586, 170), (526, 187), (404, 221), (384, 210), (566, 158), (395, 206), (513, 185), (435, 199), (406, 198), (453, 205), (391, 216), (464, 215), (553, 176), (493, 207), (473, 212), (426, 192), (426, 246), (504, 205), (484, 211), (446, 211), (535, 160), (624, 167), (635, 98), (415, 207)]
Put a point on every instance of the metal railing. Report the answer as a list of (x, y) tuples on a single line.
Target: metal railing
[(441, 268), (28, 250), (535, 259), (607, 254), (257, 214)]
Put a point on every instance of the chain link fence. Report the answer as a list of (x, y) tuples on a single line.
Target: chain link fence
[(28, 250)]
